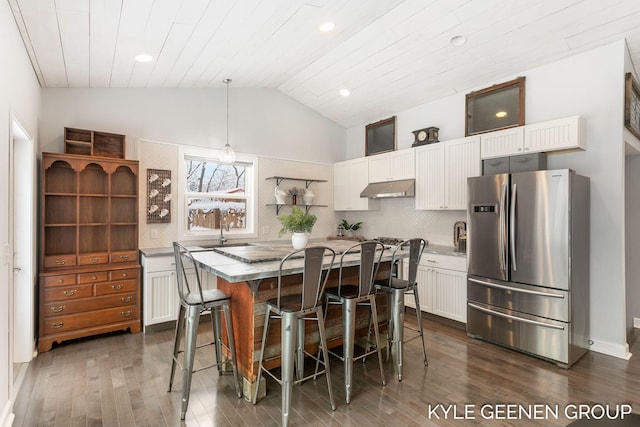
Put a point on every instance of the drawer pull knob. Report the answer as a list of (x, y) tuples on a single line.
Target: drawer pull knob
[(57, 325), (61, 281), (124, 274), (70, 293), (125, 313), (58, 309), (94, 260), (61, 261), (94, 278), (116, 287), (125, 299), (124, 257)]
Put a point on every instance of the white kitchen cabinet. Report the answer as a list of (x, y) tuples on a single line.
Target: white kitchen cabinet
[(501, 143), (349, 179), (161, 299), (442, 286), (555, 135), (392, 166), (442, 170)]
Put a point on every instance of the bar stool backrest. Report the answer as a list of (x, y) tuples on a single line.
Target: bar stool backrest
[(416, 247), (313, 281), (186, 268), (370, 256)]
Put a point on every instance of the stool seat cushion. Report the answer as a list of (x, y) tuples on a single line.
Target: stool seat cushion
[(288, 303), (395, 283), (346, 291), (210, 296)]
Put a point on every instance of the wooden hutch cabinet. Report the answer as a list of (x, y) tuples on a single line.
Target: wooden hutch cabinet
[(90, 271)]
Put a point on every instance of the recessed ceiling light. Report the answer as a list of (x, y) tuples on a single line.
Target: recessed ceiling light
[(501, 114), (327, 26), (458, 40), (345, 92), (144, 57)]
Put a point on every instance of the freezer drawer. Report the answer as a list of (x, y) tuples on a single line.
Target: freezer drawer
[(534, 300), (535, 335)]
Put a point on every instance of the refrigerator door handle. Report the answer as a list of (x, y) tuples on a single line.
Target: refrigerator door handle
[(509, 288), (516, 318), (503, 229), (512, 225)]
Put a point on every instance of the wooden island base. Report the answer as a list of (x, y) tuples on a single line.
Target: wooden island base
[(248, 313)]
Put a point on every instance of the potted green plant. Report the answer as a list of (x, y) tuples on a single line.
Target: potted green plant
[(350, 228), (299, 223)]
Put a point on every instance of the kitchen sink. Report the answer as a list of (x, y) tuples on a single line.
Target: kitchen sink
[(217, 245)]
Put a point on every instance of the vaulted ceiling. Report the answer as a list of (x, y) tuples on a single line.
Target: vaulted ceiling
[(390, 54)]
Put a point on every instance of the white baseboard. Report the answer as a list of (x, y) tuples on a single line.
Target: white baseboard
[(6, 417), (636, 322), (616, 350)]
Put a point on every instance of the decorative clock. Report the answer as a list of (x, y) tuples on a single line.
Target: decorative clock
[(425, 136), (632, 105)]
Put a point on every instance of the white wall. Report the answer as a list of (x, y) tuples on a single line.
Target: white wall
[(19, 98), (261, 122), (157, 155), (591, 85)]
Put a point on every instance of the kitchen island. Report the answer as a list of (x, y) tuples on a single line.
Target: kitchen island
[(249, 275)]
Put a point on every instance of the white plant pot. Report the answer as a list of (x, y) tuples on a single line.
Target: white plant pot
[(308, 200), (299, 240)]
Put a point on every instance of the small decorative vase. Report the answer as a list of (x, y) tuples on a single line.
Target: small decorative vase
[(308, 197), (299, 240), (280, 195)]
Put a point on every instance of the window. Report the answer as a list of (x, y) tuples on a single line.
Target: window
[(216, 196)]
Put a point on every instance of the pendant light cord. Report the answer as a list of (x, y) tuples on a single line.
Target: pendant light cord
[(227, 81)]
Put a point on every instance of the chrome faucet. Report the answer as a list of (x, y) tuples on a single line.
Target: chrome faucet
[(226, 225), (459, 230)]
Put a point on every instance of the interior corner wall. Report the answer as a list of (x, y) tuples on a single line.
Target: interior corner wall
[(20, 99), (589, 84), (632, 242)]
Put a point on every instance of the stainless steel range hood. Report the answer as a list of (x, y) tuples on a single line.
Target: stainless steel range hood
[(380, 190)]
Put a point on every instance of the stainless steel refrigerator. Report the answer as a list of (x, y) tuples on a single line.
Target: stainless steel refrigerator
[(528, 262)]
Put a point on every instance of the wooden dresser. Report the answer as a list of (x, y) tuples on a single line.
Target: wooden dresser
[(90, 271)]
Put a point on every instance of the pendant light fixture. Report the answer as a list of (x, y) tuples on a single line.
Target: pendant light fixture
[(228, 156)]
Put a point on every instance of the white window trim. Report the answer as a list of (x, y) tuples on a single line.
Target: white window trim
[(251, 189)]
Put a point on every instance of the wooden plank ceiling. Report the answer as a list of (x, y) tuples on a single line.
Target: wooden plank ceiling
[(391, 54)]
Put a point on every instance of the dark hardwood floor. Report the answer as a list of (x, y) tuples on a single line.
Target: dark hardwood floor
[(121, 380)]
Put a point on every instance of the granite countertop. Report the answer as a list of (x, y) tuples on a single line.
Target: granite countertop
[(283, 247), (265, 259)]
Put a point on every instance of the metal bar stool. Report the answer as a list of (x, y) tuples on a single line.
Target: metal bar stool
[(193, 302), (350, 296), (294, 310), (396, 289)]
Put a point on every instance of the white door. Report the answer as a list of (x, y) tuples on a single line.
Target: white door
[(22, 225), (430, 177)]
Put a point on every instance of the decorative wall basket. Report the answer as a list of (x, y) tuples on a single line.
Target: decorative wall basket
[(158, 196)]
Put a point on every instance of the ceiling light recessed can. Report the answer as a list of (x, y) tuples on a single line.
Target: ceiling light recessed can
[(501, 114), (327, 26), (458, 40), (345, 92), (143, 57)]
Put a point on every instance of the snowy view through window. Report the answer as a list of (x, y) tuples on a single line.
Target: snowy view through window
[(215, 195)]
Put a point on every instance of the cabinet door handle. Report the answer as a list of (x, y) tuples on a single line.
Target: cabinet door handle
[(61, 261), (125, 313), (57, 325), (58, 309), (124, 257), (94, 260), (125, 299), (116, 287), (70, 293), (432, 261)]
